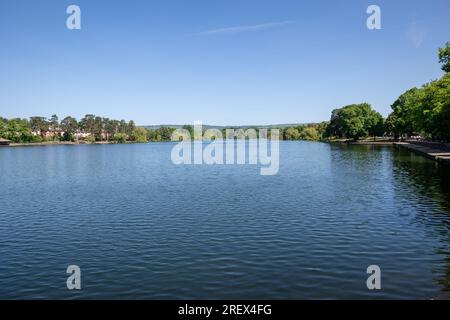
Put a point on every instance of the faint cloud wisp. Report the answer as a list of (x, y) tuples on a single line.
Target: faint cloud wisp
[(248, 28)]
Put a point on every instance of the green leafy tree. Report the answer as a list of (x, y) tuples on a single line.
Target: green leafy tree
[(139, 135), (98, 128), (404, 120), (110, 127), (18, 130), (392, 128), (3, 127), (292, 134), (153, 135), (375, 124), (39, 124), (309, 134), (54, 123), (165, 133), (190, 129), (130, 127), (335, 126), (91, 139), (444, 57), (356, 120), (70, 126), (281, 133), (87, 123), (120, 137), (433, 109), (322, 129), (122, 127)]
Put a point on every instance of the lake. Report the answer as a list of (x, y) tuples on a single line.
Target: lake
[(141, 227)]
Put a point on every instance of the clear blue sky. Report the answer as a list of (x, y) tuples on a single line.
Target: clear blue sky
[(225, 62)]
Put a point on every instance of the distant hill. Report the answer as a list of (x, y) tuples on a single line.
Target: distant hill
[(206, 126)]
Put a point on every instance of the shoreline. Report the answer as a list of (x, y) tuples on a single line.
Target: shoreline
[(428, 151), (438, 155), (388, 143), (70, 143), (63, 143)]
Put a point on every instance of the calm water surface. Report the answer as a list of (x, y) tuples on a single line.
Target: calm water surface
[(142, 228)]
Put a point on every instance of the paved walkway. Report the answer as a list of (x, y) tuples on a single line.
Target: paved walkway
[(434, 154)]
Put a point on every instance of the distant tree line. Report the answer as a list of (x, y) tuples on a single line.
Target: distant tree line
[(421, 111), (90, 128), (311, 132), (160, 135)]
